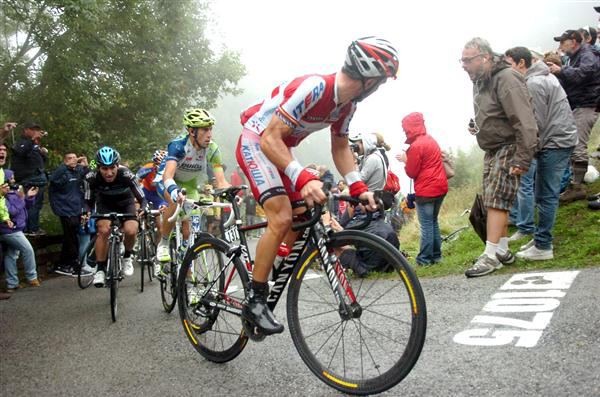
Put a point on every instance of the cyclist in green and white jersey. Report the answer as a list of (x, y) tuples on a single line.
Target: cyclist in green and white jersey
[(185, 166)]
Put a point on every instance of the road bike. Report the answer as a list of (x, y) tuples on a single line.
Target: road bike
[(358, 335), (188, 211), (146, 255), (114, 273)]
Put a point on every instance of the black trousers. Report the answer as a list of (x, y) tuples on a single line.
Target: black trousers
[(69, 255)]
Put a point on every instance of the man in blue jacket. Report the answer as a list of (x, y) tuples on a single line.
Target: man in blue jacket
[(66, 200), (580, 78)]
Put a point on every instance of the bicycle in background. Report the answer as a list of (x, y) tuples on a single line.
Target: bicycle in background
[(168, 275)]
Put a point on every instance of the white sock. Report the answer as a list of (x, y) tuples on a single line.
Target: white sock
[(503, 245), (490, 249)]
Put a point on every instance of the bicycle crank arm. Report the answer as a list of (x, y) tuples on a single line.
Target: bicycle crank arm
[(222, 306)]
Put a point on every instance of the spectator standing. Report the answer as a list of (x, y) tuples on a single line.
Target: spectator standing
[(11, 233), (4, 215), (557, 138), (66, 200), (237, 178), (506, 130), (372, 166), (28, 163), (424, 164), (580, 78)]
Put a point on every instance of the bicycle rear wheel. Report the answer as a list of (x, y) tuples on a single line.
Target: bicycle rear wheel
[(168, 283), (373, 348), (212, 289), (84, 279), (113, 263), (151, 256)]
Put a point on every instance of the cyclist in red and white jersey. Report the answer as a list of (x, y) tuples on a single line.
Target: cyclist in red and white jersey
[(279, 183)]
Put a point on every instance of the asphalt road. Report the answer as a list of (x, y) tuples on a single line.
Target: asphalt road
[(58, 340)]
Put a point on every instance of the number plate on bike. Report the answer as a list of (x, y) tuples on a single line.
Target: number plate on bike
[(196, 223), (231, 234)]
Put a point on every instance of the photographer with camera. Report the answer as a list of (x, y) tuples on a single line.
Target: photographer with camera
[(66, 200), (28, 164), (11, 233)]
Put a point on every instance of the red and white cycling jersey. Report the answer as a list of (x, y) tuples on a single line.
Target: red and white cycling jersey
[(306, 104)]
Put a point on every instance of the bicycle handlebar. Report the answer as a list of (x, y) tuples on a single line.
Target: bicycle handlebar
[(200, 204)]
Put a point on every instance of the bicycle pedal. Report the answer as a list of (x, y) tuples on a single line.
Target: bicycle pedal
[(252, 331)]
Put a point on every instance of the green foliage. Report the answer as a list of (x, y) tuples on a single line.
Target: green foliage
[(109, 71), (468, 168)]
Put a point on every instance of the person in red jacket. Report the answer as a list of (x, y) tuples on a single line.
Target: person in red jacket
[(424, 164)]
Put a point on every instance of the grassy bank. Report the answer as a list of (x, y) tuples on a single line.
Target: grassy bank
[(576, 234)]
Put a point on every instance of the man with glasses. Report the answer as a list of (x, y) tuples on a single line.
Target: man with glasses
[(187, 161), (506, 130)]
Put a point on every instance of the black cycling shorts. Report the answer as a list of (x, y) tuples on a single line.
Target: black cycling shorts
[(121, 207)]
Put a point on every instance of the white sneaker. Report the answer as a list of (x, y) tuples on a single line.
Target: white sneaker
[(518, 235), (128, 266), (162, 253), (99, 279), (87, 270), (535, 254), (531, 243)]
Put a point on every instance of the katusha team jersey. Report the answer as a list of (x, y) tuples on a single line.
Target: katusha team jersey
[(191, 163), (306, 104)]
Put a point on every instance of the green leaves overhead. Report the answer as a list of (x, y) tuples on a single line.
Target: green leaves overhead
[(116, 72)]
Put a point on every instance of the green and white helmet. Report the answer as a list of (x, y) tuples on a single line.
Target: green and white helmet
[(198, 118)]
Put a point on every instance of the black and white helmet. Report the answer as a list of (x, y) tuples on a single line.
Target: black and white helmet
[(371, 57)]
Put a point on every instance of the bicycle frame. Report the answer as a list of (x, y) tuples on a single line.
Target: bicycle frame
[(318, 234)]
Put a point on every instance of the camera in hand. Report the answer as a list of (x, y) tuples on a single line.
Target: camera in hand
[(13, 186)]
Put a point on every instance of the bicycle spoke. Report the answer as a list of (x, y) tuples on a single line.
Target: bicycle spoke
[(390, 317)]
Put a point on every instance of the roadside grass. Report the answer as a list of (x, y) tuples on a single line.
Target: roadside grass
[(576, 234)]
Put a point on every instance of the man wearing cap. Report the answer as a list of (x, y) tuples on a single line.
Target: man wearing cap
[(28, 162), (580, 77)]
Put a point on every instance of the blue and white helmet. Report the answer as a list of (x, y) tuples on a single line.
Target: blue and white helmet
[(107, 156)]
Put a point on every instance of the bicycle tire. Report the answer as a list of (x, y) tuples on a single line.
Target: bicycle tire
[(318, 329), (142, 257), (85, 281), (216, 333), (168, 283), (151, 256), (113, 262)]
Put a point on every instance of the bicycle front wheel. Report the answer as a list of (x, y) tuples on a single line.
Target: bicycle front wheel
[(212, 288), (168, 282), (113, 263), (373, 346)]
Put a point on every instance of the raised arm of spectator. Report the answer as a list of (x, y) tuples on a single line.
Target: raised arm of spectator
[(588, 67), (89, 194), (60, 176)]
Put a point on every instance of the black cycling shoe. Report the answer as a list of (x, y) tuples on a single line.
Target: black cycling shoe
[(258, 313)]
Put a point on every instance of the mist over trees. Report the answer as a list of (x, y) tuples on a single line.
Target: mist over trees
[(109, 71)]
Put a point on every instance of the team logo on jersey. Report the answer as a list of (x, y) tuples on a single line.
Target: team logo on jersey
[(252, 166), (312, 96)]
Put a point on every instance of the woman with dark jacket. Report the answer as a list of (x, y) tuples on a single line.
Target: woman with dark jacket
[(424, 165), (12, 235)]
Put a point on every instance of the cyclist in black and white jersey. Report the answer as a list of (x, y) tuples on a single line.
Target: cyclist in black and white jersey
[(112, 188)]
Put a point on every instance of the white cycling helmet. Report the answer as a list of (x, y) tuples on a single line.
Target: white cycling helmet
[(371, 57)]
